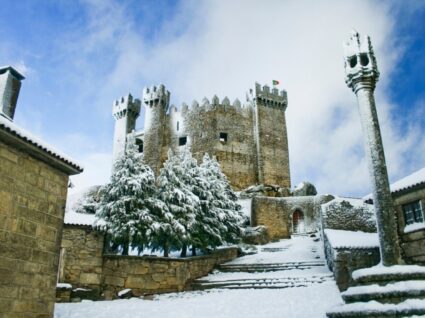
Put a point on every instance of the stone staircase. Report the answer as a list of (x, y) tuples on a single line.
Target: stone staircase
[(397, 291), (258, 282)]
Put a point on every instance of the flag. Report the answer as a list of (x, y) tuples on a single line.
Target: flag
[(275, 82)]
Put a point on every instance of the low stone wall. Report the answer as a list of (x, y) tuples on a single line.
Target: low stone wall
[(344, 261), (151, 275), (81, 257)]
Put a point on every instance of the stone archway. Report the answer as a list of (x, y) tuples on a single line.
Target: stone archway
[(298, 225)]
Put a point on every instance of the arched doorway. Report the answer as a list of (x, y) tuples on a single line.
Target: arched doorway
[(298, 221)]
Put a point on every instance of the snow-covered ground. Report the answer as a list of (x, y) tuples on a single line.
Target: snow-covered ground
[(312, 300)]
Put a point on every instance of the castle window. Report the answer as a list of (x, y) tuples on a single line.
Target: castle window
[(223, 138), (139, 144), (178, 126), (182, 141), (413, 213)]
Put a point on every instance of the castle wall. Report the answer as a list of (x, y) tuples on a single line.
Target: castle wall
[(32, 201), (273, 140), (235, 151)]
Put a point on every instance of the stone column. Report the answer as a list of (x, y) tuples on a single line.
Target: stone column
[(361, 76)]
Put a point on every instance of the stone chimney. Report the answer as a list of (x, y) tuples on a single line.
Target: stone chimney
[(10, 84)]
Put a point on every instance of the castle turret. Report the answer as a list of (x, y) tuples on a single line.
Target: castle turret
[(271, 136), (156, 100), (10, 85), (361, 76), (125, 111)]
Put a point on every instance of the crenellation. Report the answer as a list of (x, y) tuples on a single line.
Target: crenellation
[(205, 102), (226, 101), (126, 106), (215, 100)]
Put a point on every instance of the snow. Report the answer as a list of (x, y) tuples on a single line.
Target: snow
[(123, 292), (414, 285), (246, 206), (350, 239), (72, 217), (409, 181), (374, 306), (355, 202), (8, 125), (316, 287), (388, 270), (64, 285), (414, 227)]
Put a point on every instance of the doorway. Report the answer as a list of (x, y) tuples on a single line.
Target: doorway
[(298, 222)]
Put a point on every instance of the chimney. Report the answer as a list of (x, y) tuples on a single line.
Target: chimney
[(10, 84)]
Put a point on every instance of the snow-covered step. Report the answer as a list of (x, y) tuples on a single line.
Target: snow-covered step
[(390, 293), (262, 283), (269, 267), (374, 309), (381, 275)]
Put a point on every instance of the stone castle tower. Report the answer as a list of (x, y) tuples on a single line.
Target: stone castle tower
[(249, 141)]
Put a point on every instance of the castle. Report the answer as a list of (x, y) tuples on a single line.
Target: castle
[(249, 140)]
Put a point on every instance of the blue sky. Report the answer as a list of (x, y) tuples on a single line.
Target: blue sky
[(78, 56)]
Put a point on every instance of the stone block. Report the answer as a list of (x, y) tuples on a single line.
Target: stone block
[(159, 277), (135, 282), (90, 279)]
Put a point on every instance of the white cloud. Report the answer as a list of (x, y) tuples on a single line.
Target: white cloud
[(223, 47)]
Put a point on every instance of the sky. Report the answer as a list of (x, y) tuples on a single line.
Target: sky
[(79, 56)]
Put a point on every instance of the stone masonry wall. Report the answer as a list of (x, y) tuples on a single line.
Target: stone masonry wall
[(81, 257), (274, 155), (276, 213), (344, 261), (32, 203), (236, 155), (412, 244), (151, 275)]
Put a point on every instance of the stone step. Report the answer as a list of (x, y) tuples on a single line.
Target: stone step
[(391, 293), (383, 275), (270, 267), (261, 283), (374, 309)]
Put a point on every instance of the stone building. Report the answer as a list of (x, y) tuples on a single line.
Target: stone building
[(33, 188), (250, 140)]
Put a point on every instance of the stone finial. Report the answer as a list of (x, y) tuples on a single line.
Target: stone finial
[(195, 103), (185, 107), (226, 101), (237, 103), (10, 85), (360, 62), (205, 102), (215, 100)]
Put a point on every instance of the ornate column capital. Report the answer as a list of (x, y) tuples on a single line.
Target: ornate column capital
[(361, 69)]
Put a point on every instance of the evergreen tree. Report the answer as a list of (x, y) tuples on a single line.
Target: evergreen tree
[(124, 209), (223, 206), (179, 219)]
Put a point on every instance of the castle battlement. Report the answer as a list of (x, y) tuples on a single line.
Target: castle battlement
[(271, 97), (209, 106), (126, 105), (156, 95)]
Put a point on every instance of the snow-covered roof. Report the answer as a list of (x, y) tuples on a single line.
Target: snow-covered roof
[(351, 239), (10, 132), (408, 182)]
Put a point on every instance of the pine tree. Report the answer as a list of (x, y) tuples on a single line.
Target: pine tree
[(223, 206), (124, 209), (179, 219)]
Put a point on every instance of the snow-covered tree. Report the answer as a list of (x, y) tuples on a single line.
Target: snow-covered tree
[(223, 212), (126, 202), (179, 219)]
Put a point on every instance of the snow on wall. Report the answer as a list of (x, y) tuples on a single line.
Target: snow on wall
[(351, 239)]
